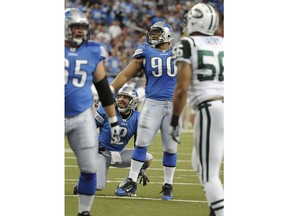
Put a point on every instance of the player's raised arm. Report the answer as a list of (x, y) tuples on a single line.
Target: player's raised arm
[(131, 70)]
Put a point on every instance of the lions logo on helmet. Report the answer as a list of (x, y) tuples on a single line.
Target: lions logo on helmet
[(201, 18), (160, 32), (132, 94), (74, 16)]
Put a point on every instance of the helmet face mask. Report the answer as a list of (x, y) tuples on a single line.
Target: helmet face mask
[(130, 92), (201, 18), (158, 33), (76, 26)]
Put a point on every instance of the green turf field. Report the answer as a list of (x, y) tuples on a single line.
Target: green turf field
[(188, 200)]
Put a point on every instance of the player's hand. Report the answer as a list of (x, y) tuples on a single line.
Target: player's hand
[(115, 134), (115, 130), (174, 128), (143, 177), (175, 133)]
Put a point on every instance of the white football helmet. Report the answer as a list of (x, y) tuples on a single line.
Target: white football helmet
[(201, 18), (165, 33), (74, 16), (132, 94)]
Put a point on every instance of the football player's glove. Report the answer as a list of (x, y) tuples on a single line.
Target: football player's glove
[(115, 130), (174, 132), (174, 129), (143, 177)]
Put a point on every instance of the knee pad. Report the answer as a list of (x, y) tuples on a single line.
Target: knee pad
[(87, 184)]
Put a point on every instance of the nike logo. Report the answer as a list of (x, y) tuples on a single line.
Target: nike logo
[(129, 188)]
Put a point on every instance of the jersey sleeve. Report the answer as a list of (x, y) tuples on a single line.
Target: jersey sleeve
[(98, 48), (100, 117), (138, 54), (103, 53)]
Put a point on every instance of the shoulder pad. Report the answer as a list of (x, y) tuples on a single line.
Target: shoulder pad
[(138, 54), (96, 47)]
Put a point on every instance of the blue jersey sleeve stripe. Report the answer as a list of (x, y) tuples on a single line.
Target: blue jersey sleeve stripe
[(99, 118)]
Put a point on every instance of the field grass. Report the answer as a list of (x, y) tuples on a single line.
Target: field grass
[(188, 195)]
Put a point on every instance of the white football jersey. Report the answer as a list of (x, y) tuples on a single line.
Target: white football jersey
[(206, 56)]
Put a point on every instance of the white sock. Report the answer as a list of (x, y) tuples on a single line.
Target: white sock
[(85, 202), (135, 169), (168, 174)]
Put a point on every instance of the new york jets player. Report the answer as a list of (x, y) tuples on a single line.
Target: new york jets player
[(199, 59), (83, 67), (118, 155), (155, 58)]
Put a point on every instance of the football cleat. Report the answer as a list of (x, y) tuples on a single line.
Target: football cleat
[(167, 191), (85, 213), (128, 189)]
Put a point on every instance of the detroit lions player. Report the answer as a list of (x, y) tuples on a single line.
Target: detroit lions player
[(155, 58), (84, 66), (199, 59), (118, 155)]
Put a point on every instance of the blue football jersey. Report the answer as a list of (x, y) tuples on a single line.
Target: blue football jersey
[(80, 64), (128, 129), (160, 72)]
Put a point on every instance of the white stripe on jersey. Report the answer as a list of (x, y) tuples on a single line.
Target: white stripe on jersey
[(99, 118)]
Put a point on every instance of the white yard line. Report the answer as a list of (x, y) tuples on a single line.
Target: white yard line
[(142, 198), (74, 181), (154, 169)]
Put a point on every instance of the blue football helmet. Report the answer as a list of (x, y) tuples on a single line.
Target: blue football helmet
[(74, 16), (160, 32), (132, 94)]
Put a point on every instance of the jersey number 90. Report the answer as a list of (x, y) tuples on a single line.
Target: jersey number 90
[(157, 65)]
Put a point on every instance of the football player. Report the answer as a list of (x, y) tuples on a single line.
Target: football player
[(118, 155), (84, 67), (155, 59), (199, 59)]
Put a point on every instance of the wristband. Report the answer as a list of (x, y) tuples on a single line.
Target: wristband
[(113, 121), (174, 121), (112, 89)]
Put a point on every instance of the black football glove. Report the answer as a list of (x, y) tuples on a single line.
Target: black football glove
[(143, 177), (174, 129)]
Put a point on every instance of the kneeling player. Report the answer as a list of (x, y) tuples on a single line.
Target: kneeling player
[(117, 155)]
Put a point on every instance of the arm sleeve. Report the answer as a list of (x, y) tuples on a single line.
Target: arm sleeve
[(104, 92)]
